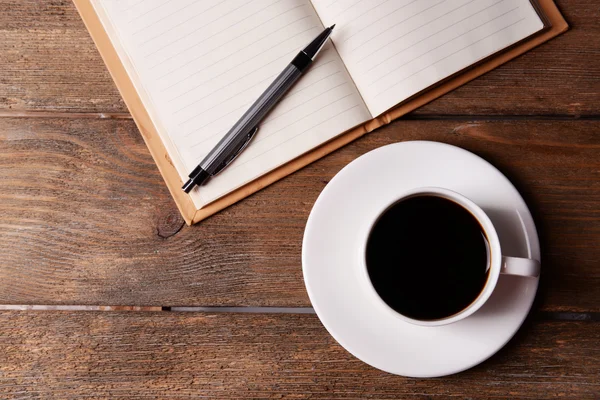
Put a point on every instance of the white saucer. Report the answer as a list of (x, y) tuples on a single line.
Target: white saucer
[(332, 268)]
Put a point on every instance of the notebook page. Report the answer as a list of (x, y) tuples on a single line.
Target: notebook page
[(199, 65), (394, 49)]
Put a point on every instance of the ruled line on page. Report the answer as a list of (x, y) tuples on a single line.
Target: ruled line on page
[(233, 54), (306, 129), (310, 116), (153, 23), (367, 25), (435, 48), (303, 118), (233, 167), (203, 26), (270, 77), (200, 55), (205, 39), (215, 105), (385, 44), (222, 131), (150, 10), (150, 39), (230, 83), (390, 56), (132, 6), (288, 54), (448, 56), (228, 41), (364, 13), (270, 118), (331, 3), (263, 82), (197, 57), (348, 8)]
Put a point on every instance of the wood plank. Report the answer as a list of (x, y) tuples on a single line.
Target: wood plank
[(71, 355), (86, 219), (49, 63)]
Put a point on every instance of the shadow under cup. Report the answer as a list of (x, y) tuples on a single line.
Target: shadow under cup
[(428, 257)]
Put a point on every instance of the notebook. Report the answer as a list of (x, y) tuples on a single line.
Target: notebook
[(188, 69)]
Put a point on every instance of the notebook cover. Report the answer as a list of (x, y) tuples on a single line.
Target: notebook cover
[(171, 176)]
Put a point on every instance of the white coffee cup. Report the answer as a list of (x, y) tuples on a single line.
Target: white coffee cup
[(498, 263)]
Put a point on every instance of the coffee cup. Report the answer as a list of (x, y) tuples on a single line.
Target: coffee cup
[(433, 257)]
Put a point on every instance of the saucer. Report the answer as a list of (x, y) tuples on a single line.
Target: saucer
[(331, 262)]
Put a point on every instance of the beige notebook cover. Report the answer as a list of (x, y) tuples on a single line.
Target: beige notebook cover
[(157, 148)]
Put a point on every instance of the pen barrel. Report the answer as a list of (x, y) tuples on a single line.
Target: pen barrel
[(237, 135)]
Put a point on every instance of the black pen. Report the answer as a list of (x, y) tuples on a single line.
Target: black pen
[(238, 137)]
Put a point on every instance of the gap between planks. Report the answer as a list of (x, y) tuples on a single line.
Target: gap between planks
[(247, 310), (543, 316), (412, 116)]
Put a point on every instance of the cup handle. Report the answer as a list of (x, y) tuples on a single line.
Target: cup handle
[(520, 266)]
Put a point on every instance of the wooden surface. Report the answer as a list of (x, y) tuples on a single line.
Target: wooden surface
[(49, 63), (225, 356), (86, 220), (97, 224)]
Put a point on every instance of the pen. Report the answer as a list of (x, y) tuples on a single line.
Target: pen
[(240, 135)]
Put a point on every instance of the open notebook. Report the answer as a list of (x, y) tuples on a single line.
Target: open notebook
[(197, 65)]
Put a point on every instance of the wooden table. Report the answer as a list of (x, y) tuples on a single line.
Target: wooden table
[(105, 292)]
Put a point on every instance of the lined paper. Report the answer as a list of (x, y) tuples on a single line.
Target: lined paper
[(199, 65), (394, 49)]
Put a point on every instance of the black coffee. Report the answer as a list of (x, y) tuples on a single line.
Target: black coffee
[(427, 257)]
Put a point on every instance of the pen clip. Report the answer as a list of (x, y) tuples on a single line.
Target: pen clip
[(244, 144)]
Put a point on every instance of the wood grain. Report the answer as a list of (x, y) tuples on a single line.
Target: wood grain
[(86, 219), (71, 355), (49, 63)]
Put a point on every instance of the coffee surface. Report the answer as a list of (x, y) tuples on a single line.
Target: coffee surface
[(427, 257)]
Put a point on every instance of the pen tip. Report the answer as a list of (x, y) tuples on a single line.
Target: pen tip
[(332, 26)]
